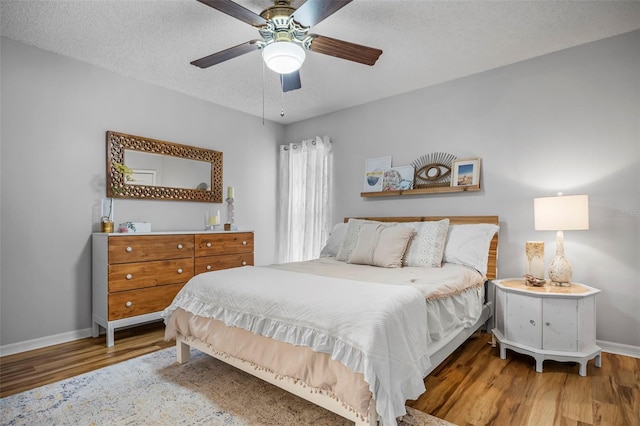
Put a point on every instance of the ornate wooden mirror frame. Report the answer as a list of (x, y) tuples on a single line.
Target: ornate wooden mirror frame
[(117, 187)]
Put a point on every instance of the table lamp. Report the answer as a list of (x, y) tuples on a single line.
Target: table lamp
[(561, 213)]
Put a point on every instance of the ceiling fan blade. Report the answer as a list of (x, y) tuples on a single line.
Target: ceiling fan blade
[(235, 10), (313, 12), (344, 50), (226, 54), (290, 81)]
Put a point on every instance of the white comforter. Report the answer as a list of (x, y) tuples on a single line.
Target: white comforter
[(375, 329), (434, 283)]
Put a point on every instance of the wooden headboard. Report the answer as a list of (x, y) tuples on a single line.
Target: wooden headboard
[(492, 263)]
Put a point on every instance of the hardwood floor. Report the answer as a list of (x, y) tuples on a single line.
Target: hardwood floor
[(28, 370), (473, 387)]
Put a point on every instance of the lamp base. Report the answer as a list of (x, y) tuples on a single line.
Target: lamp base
[(560, 270), (559, 284)]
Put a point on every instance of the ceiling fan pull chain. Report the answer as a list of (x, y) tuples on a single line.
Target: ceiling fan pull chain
[(263, 93), (282, 96)]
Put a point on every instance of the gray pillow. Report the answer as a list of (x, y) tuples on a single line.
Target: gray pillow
[(335, 241)]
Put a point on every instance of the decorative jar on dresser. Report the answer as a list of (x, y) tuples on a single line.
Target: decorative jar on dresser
[(136, 276), (549, 322)]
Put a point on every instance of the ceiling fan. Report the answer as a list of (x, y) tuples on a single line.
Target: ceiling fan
[(285, 37)]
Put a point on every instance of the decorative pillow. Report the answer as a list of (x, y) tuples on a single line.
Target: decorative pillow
[(335, 241), (351, 238), (381, 245), (469, 245), (427, 246)]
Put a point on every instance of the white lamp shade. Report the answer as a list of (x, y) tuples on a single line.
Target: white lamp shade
[(562, 213), (283, 57)]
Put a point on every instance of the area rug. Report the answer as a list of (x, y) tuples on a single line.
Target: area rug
[(155, 390)]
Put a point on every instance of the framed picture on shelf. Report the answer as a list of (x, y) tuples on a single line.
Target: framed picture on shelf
[(466, 172), (398, 178), (374, 167)]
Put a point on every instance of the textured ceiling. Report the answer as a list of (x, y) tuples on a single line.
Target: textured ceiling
[(424, 43)]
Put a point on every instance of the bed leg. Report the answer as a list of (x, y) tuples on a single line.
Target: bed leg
[(183, 351)]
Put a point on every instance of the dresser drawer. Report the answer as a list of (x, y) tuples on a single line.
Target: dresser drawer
[(139, 302), (130, 276), (215, 263), (151, 247), (214, 244)]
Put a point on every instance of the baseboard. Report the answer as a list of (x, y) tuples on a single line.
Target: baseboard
[(29, 345), (619, 348), (42, 342)]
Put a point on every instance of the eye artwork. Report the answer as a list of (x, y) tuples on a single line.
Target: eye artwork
[(433, 170)]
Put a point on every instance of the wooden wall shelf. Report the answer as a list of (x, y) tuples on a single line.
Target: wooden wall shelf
[(422, 191)]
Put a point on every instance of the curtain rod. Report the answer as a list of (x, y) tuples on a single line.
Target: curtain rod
[(295, 146)]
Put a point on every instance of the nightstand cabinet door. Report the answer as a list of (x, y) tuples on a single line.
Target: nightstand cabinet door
[(560, 328), (586, 324), (524, 319)]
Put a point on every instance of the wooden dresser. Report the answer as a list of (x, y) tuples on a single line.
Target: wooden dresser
[(136, 276)]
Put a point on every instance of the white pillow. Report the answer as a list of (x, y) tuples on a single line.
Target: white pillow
[(351, 238), (381, 245), (335, 241), (468, 245), (427, 246)]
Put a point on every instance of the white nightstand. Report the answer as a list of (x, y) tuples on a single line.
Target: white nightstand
[(550, 322)]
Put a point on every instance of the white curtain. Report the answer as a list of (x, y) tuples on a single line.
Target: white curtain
[(304, 181)]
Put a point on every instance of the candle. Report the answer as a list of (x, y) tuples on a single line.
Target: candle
[(214, 220), (230, 192), (535, 258)]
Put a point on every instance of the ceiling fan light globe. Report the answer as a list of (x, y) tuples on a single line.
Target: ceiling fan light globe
[(283, 57)]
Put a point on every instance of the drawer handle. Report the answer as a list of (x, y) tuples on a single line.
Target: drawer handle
[(128, 304), (129, 249), (208, 244), (532, 322), (129, 276), (208, 267), (547, 324), (179, 270), (179, 246), (244, 243), (244, 262)]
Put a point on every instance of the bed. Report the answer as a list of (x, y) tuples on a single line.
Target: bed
[(358, 329)]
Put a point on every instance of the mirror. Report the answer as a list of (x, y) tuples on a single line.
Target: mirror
[(162, 170)]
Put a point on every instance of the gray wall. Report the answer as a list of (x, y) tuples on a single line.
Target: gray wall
[(55, 112), (562, 122), (567, 121)]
